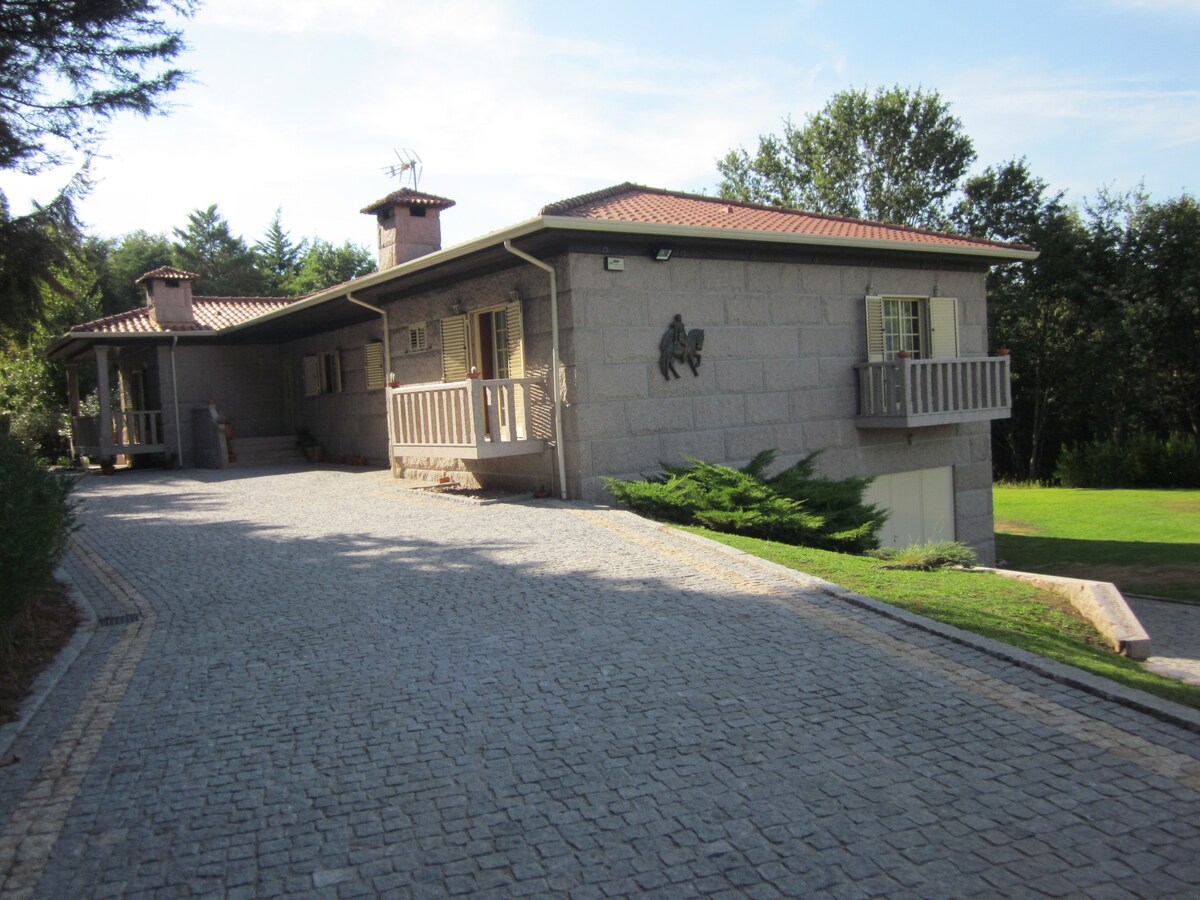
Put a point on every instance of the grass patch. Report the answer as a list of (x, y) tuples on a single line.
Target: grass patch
[(1145, 542), (980, 602)]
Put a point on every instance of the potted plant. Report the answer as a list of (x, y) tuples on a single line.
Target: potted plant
[(309, 446)]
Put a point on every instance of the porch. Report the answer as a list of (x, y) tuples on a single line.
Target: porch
[(132, 432), (472, 419), (911, 393)]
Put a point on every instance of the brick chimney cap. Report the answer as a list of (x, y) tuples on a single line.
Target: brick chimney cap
[(168, 272), (408, 197)]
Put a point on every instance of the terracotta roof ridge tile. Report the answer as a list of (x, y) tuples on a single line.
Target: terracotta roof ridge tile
[(168, 272), (579, 206), (416, 198)]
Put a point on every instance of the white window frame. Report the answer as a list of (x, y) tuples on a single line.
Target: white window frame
[(322, 373), (928, 331)]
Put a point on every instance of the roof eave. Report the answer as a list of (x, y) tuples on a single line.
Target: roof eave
[(650, 229), (429, 260)]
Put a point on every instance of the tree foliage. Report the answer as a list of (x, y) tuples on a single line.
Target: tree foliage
[(279, 258), (895, 156), (226, 265), (66, 68), (325, 265)]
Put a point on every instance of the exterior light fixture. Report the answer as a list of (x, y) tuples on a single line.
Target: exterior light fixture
[(663, 254)]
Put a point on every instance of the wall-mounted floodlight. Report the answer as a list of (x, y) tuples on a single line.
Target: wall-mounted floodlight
[(663, 254)]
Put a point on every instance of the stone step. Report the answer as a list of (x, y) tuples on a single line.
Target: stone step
[(273, 450)]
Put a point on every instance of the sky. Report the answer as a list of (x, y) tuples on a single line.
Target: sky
[(302, 105)]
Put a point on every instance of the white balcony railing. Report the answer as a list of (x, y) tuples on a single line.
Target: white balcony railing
[(908, 393), (472, 419)]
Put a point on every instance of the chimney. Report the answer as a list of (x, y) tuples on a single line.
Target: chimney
[(408, 225), (169, 296)]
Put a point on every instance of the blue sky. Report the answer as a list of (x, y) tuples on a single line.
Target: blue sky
[(513, 104)]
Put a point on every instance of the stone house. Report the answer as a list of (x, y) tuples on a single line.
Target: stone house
[(531, 358)]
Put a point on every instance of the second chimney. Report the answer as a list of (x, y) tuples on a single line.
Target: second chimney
[(409, 225)]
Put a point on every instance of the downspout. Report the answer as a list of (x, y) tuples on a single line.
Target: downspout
[(554, 362), (175, 399), (387, 365)]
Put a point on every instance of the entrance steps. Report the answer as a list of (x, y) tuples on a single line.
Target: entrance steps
[(276, 450)]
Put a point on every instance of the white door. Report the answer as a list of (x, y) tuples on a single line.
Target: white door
[(920, 506)]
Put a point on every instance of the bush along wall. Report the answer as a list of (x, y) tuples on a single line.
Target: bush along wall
[(1139, 461), (793, 507), (36, 518)]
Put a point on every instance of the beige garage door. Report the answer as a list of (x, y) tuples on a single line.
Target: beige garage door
[(920, 503)]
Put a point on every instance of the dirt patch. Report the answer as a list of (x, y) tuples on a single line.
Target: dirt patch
[(30, 642), (1015, 526)]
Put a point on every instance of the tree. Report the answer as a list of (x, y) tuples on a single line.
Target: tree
[(896, 156), (66, 68), (227, 266), (119, 263), (325, 265), (278, 258), (1159, 308), (33, 389), (1037, 308)]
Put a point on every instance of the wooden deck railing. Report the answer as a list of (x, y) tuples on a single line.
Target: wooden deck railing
[(133, 431), (472, 419), (907, 393)]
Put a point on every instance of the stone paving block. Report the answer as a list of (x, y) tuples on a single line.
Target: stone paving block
[(342, 677)]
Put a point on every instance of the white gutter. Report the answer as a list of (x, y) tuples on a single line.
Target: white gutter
[(175, 397), (387, 365), (554, 362)]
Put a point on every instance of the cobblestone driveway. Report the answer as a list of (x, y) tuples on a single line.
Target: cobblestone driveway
[(339, 688)]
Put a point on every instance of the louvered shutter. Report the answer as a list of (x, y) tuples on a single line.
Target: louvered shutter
[(456, 361), (943, 328), (874, 329), (373, 358), (312, 376), (516, 341)]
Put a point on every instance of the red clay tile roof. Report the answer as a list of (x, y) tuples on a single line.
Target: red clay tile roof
[(412, 198), (212, 314), (634, 203), (168, 272)]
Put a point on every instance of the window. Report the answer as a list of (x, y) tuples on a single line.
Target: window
[(418, 339), (925, 327), (490, 341), (373, 362), (322, 374)]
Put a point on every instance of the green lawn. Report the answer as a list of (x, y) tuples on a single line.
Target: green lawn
[(1145, 542), (981, 602)]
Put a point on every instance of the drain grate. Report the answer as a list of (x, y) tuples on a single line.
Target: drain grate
[(106, 621)]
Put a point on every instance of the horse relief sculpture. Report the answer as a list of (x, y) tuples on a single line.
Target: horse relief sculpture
[(680, 345)]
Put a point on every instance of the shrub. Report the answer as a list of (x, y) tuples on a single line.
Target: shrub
[(36, 518), (1140, 461), (793, 507), (932, 555)]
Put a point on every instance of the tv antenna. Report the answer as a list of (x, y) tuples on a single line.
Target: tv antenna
[(408, 164)]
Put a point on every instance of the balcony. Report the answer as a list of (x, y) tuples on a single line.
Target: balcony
[(133, 431), (472, 419), (912, 393)]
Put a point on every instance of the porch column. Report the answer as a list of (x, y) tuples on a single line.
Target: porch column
[(73, 400), (107, 448)]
